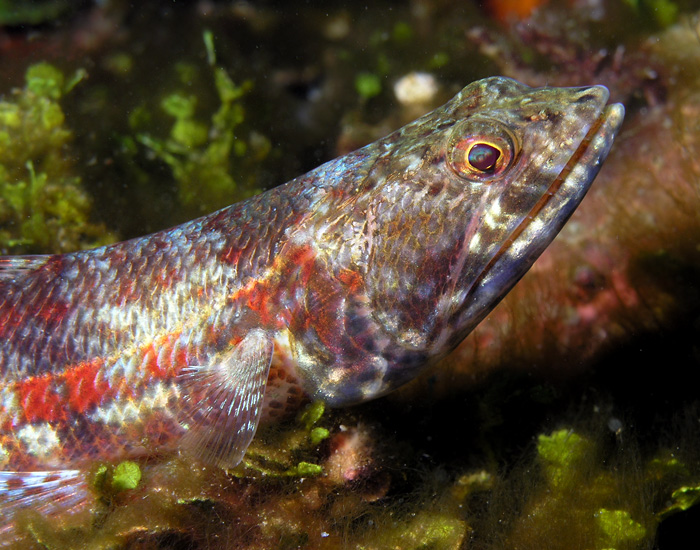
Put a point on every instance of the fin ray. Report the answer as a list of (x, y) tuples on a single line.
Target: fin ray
[(230, 391), (12, 267)]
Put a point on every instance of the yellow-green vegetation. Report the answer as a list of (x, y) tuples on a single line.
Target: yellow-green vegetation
[(426, 530), (685, 489), (111, 480), (571, 495), (43, 207), (682, 499), (368, 85), (206, 157), (663, 12), (287, 452), (22, 12), (583, 499), (581, 503), (125, 507), (126, 475), (436, 517)]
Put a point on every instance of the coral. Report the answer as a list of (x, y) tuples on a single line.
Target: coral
[(43, 207)]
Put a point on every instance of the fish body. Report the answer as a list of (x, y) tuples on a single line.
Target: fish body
[(341, 285)]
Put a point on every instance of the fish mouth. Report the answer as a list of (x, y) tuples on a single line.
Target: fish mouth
[(590, 153), (528, 240)]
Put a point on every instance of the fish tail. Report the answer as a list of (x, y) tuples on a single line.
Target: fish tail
[(48, 493)]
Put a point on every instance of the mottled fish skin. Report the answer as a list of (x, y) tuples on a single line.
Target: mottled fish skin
[(340, 285)]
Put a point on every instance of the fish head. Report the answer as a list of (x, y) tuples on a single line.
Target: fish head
[(466, 198), (449, 213)]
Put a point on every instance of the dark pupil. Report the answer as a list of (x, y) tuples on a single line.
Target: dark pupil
[(483, 156)]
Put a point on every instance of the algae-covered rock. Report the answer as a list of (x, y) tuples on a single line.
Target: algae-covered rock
[(288, 452), (582, 493), (427, 530)]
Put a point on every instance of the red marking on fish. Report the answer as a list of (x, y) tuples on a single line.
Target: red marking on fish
[(85, 385), (40, 400)]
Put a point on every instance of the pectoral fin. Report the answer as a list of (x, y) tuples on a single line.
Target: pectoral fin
[(224, 400)]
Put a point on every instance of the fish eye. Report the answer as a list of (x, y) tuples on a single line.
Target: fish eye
[(481, 150), (483, 157)]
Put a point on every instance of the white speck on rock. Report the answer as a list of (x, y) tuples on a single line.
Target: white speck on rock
[(415, 88)]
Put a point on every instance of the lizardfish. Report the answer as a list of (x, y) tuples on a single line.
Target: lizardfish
[(341, 285)]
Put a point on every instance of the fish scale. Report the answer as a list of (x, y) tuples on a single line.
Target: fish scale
[(340, 285)]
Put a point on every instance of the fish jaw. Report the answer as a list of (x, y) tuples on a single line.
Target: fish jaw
[(539, 228), (444, 258)]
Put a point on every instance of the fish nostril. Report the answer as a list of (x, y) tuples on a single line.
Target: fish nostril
[(590, 96)]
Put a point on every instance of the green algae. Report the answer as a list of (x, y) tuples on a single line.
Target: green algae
[(119, 63), (126, 475), (587, 503), (34, 12), (402, 32), (305, 469), (45, 80), (426, 531), (206, 156), (618, 528), (368, 85), (208, 38), (583, 496), (43, 207), (118, 518), (439, 60), (312, 414), (586, 498), (317, 435), (663, 12), (561, 452), (110, 480), (287, 452), (682, 499)]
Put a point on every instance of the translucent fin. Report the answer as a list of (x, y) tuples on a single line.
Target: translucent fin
[(224, 400), (14, 266), (49, 493)]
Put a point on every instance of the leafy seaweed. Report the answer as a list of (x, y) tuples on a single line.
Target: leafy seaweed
[(43, 206)]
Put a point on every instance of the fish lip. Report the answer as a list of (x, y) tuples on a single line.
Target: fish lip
[(609, 118), (590, 153)]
